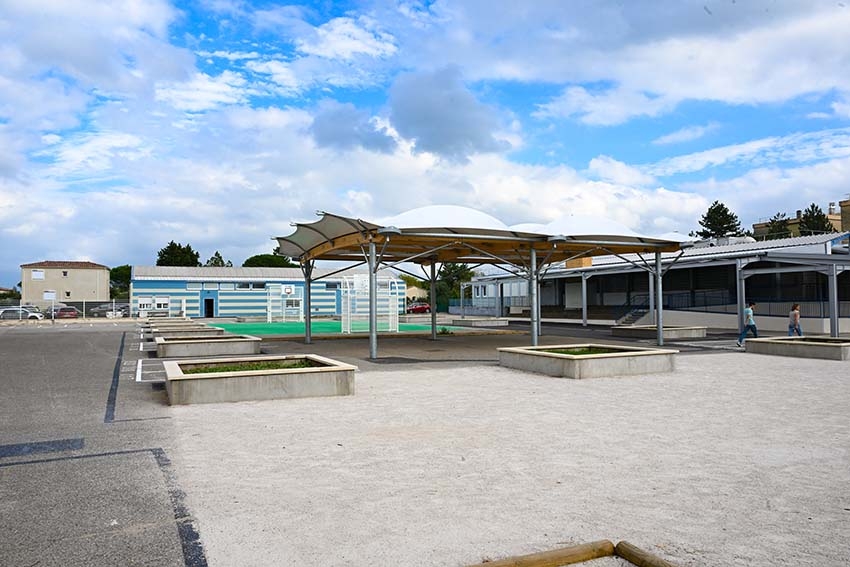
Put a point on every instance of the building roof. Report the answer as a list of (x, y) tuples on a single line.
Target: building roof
[(452, 234), (190, 273), (816, 247), (66, 264)]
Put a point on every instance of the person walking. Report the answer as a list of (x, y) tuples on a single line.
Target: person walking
[(794, 321), (749, 324)]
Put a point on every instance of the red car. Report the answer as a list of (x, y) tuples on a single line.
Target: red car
[(419, 307), (66, 313)]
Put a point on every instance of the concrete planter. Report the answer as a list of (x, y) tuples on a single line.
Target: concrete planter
[(212, 345), (829, 348), (479, 322), (624, 362), (187, 332), (327, 378), (651, 332)]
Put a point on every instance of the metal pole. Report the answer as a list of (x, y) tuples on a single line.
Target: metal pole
[(462, 313), (532, 288), (373, 302), (833, 301), (652, 296), (584, 300), (741, 285), (659, 324), (433, 301), (307, 269)]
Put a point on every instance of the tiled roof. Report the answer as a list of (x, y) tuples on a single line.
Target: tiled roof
[(66, 264)]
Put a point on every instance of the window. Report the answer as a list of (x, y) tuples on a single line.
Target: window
[(210, 285), (37, 274), (67, 295), (243, 285), (259, 285), (193, 286), (64, 273), (145, 303), (332, 285), (160, 302), (226, 286)]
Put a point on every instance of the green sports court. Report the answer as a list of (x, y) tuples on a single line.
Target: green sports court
[(323, 327)]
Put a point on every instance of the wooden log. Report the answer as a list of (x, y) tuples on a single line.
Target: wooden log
[(556, 557), (638, 556)]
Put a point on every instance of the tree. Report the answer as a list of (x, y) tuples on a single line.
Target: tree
[(718, 221), (449, 278), (177, 255), (119, 282), (216, 261), (268, 261), (814, 221), (410, 281), (777, 227)]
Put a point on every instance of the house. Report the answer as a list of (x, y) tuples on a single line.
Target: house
[(63, 281), (839, 218)]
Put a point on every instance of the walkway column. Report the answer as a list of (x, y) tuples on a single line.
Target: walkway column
[(434, 300), (741, 292), (659, 322), (832, 277), (373, 302), (532, 288), (307, 269), (652, 296), (584, 300)]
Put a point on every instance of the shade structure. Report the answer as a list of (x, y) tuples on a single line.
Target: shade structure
[(443, 234), (335, 237)]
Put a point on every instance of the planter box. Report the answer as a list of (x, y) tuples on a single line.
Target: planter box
[(479, 322), (829, 348), (187, 332), (212, 345), (651, 332), (624, 362), (328, 378)]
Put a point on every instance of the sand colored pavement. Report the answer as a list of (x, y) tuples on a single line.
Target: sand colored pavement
[(733, 459)]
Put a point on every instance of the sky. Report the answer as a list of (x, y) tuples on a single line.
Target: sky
[(125, 124)]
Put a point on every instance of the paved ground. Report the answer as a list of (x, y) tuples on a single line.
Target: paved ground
[(441, 458)]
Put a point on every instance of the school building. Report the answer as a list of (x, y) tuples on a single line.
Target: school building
[(247, 292)]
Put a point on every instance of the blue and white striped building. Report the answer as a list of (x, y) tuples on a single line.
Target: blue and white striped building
[(232, 292)]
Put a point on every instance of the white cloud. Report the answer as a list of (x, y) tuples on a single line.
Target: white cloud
[(608, 169), (281, 73), (346, 38), (799, 148), (686, 134), (203, 92), (606, 108)]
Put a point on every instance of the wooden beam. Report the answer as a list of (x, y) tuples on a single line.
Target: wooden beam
[(639, 557), (556, 557)]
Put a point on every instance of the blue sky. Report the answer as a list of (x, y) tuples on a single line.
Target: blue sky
[(129, 123)]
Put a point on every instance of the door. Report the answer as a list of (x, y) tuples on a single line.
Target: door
[(209, 307)]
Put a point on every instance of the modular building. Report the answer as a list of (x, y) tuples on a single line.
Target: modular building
[(271, 293)]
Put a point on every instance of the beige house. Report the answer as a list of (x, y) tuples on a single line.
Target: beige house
[(838, 217), (66, 281)]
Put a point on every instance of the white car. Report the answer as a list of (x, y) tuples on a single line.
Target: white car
[(19, 313)]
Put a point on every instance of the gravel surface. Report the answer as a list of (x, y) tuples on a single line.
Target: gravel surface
[(733, 459)]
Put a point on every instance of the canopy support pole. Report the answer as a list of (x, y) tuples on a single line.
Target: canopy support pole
[(433, 298), (532, 288), (307, 270), (833, 300), (373, 303), (659, 323)]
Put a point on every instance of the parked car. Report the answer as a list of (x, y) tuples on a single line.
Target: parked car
[(110, 310), (66, 313), (19, 313), (419, 307)]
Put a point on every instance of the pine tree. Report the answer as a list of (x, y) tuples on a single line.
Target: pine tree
[(175, 254), (814, 221), (216, 261), (777, 227), (718, 221)]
